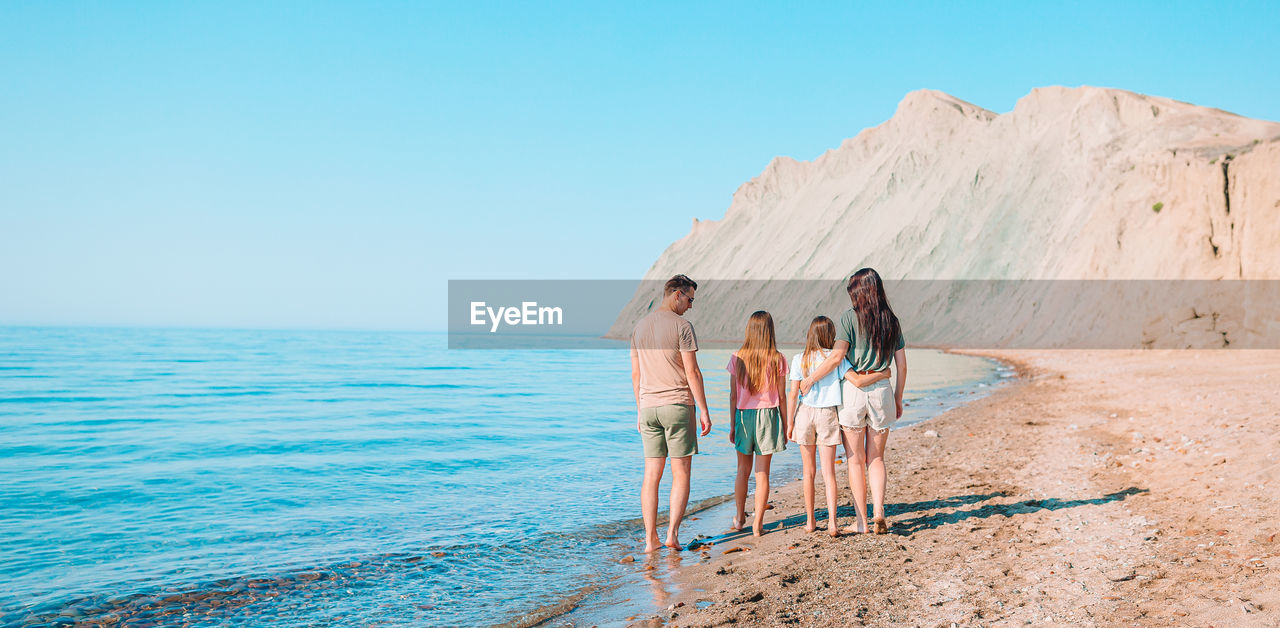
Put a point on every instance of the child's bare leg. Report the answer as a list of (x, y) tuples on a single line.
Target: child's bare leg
[(649, 501), (740, 491), (855, 453), (876, 441), (828, 454), (762, 492), (679, 498), (806, 457)]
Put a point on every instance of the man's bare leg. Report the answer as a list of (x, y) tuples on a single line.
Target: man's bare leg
[(806, 458), (876, 441), (854, 451), (762, 493), (740, 492), (828, 455), (649, 501), (679, 498)]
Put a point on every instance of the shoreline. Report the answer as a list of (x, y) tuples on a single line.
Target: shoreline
[(659, 574), (1092, 491)]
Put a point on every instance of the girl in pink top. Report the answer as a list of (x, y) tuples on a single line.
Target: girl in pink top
[(757, 378)]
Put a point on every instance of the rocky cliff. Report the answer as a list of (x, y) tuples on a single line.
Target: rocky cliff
[(1073, 184)]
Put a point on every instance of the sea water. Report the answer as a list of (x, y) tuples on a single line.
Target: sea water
[(217, 477)]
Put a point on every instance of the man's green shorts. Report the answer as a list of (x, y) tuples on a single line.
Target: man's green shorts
[(668, 431)]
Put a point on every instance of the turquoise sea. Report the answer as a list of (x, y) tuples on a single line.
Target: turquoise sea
[(236, 477)]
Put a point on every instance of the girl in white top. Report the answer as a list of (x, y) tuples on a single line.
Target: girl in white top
[(817, 426)]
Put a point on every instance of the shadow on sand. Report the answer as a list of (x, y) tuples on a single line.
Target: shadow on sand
[(907, 527)]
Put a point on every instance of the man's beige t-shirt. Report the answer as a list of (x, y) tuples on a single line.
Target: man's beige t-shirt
[(658, 340)]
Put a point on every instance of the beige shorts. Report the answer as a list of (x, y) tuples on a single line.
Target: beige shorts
[(873, 406), (817, 426)]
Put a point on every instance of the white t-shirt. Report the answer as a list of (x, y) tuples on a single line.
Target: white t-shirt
[(826, 391)]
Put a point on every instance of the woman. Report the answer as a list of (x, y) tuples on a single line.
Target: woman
[(869, 336)]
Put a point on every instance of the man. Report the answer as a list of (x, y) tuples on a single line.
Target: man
[(667, 383)]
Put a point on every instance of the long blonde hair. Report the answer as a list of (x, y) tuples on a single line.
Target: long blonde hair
[(759, 354), (822, 335)]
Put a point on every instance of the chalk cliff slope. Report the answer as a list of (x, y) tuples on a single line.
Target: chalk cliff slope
[(1074, 183)]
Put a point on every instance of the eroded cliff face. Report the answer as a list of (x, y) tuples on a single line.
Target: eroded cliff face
[(1081, 183)]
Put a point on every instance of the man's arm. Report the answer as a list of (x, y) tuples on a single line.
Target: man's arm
[(833, 359), (635, 386), (694, 375)]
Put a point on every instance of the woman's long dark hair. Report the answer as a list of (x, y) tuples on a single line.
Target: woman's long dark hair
[(876, 319)]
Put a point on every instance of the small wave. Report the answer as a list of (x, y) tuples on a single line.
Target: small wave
[(220, 393), (48, 399), (406, 385)]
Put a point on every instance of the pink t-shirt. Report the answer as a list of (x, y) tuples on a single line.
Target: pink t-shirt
[(767, 398)]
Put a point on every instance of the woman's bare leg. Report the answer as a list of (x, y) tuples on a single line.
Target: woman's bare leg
[(762, 492), (876, 441), (649, 501), (855, 453), (828, 454), (740, 492), (806, 457), (679, 498)]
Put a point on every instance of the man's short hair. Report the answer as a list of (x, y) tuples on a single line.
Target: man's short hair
[(679, 282)]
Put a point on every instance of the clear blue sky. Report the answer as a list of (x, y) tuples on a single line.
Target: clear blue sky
[(278, 164)]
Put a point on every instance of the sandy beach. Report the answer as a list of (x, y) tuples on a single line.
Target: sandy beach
[(1101, 488)]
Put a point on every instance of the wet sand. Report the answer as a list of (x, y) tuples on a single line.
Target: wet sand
[(1103, 488)]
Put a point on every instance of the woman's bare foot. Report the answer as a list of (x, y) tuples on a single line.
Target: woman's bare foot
[(651, 544), (673, 543), (882, 526), (737, 522), (810, 526), (833, 530)]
